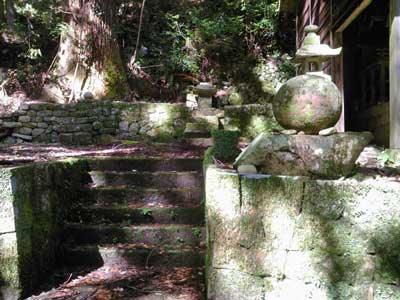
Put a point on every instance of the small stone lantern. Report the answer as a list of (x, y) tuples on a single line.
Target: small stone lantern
[(309, 102), (205, 91)]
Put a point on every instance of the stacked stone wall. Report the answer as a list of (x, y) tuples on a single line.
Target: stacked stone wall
[(88, 122)]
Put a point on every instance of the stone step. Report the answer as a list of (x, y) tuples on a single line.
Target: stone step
[(145, 164), (145, 215), (142, 197), (212, 122), (147, 179), (198, 127), (207, 112), (155, 234), (197, 134), (134, 255), (201, 142)]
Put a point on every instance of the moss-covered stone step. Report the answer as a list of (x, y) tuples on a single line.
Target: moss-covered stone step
[(147, 179), (206, 112), (145, 164), (145, 215), (156, 234), (142, 197), (137, 255), (201, 142), (197, 134), (199, 127)]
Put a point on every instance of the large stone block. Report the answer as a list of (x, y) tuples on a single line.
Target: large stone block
[(306, 239)]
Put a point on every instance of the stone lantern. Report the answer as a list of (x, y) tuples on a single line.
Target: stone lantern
[(309, 105), (310, 102), (205, 92)]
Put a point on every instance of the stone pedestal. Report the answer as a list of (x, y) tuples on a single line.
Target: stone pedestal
[(305, 155)]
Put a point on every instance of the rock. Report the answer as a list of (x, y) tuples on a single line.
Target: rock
[(25, 130), (38, 131), (24, 119), (82, 138), (66, 138), (97, 125), (289, 131), (123, 126), (328, 131), (11, 124), (22, 136), (305, 155), (9, 141), (308, 103), (88, 95), (301, 133), (247, 169), (42, 125), (133, 128)]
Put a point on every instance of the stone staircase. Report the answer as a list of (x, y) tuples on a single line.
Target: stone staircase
[(143, 213), (203, 121)]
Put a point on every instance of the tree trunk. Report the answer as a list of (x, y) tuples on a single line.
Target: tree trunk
[(89, 59), (10, 12), (2, 12)]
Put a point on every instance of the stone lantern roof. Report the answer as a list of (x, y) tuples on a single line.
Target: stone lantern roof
[(313, 50)]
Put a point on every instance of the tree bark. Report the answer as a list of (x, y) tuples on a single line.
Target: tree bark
[(2, 12), (89, 59), (10, 12)]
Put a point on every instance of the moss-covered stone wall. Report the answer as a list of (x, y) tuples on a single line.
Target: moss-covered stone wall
[(292, 238), (90, 122), (33, 203)]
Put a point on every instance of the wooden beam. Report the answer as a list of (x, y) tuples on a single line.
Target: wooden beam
[(364, 4), (394, 70)]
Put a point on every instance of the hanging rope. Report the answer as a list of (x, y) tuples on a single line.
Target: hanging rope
[(310, 11)]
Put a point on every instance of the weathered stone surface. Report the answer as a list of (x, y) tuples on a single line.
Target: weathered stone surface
[(328, 131), (247, 169), (25, 130), (11, 124), (22, 136), (308, 103), (306, 155), (32, 208), (273, 237), (24, 119), (289, 131), (158, 120), (38, 131), (251, 119), (124, 126)]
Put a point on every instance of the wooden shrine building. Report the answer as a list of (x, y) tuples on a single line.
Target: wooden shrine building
[(368, 71)]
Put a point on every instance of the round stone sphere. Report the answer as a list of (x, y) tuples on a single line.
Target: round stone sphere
[(308, 103)]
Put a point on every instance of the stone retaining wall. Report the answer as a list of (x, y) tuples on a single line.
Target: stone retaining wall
[(33, 204), (295, 238), (88, 122)]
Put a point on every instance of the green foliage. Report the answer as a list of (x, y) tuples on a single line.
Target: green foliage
[(225, 145), (390, 158), (146, 211)]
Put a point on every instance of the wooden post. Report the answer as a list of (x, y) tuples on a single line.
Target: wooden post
[(394, 70), (337, 68)]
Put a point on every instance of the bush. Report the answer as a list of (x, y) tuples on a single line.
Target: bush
[(225, 145)]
